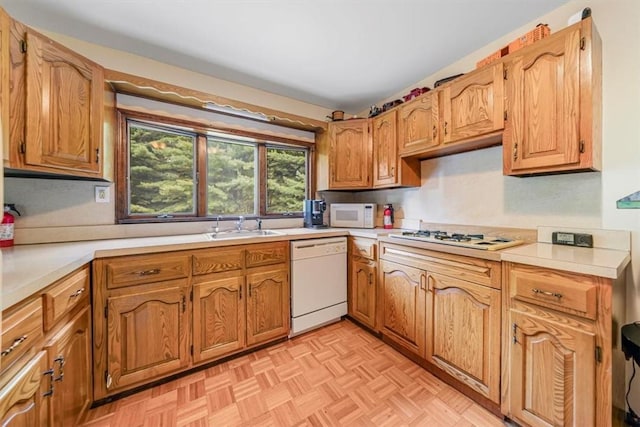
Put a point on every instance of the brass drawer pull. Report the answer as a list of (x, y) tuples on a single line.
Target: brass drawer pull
[(546, 293), (60, 361), (77, 293), (13, 346), (149, 272)]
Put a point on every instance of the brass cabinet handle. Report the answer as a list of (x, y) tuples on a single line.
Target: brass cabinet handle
[(393, 170), (515, 330), (14, 345), (370, 278), (50, 391), (515, 151), (149, 272), (445, 127), (435, 130), (546, 293), (240, 292), (77, 293), (60, 361)]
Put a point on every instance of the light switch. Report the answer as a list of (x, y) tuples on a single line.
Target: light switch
[(103, 194)]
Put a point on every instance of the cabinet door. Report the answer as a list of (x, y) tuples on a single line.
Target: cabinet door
[(69, 354), (267, 305), (349, 155), (552, 373), (218, 317), (403, 305), (385, 156), (473, 105), (22, 403), (64, 108), (463, 332), (543, 88), (148, 334), (363, 291), (418, 125)]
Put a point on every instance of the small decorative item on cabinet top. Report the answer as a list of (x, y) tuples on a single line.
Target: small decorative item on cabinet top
[(538, 33), (415, 92), (336, 115), (374, 111), (389, 105)]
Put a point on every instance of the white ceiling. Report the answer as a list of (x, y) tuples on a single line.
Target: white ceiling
[(339, 54)]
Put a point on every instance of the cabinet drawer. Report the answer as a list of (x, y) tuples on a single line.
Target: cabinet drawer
[(64, 295), (134, 270), (217, 260), (20, 331), (365, 248), (575, 294), (267, 254)]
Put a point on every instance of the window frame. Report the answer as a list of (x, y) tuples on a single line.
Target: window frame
[(202, 131)]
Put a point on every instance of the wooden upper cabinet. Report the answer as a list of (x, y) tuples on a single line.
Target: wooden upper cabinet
[(554, 112), (349, 154), (385, 152), (418, 125), (473, 105), (64, 108)]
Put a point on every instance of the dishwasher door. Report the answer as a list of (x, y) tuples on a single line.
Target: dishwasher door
[(318, 282)]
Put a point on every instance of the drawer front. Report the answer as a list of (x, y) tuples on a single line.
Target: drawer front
[(64, 295), (575, 294), (20, 331), (365, 248), (217, 260), (267, 254), (134, 270)]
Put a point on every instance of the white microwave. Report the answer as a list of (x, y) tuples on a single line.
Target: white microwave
[(353, 215)]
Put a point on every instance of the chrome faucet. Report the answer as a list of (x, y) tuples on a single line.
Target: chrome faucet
[(259, 224), (217, 230), (240, 223)]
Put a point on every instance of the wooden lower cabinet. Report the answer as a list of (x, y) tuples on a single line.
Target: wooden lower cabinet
[(148, 332), (268, 314), (362, 293), (552, 372), (404, 305), (24, 400), (218, 316), (69, 355), (362, 282), (463, 332), (218, 302), (561, 365)]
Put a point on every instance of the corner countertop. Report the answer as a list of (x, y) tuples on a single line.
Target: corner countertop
[(607, 263), (27, 269)]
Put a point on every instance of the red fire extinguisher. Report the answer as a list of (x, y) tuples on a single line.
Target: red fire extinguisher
[(388, 216), (6, 227)]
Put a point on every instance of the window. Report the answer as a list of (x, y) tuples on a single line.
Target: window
[(175, 172)]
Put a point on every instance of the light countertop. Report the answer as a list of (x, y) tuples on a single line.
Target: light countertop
[(27, 269), (607, 263)]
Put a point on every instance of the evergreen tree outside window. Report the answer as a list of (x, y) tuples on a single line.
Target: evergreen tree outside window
[(171, 172), (161, 171)]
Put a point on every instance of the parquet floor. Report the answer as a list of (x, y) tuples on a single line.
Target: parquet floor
[(339, 375)]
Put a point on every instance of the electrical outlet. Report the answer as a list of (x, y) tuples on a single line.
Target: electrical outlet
[(103, 194)]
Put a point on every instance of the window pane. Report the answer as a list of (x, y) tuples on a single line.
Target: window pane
[(161, 170), (286, 179), (231, 186)]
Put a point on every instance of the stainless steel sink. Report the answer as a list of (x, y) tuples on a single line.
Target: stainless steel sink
[(242, 234)]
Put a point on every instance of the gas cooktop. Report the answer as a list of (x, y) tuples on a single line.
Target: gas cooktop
[(475, 241)]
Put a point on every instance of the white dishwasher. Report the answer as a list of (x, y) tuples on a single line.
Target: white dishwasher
[(318, 282)]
